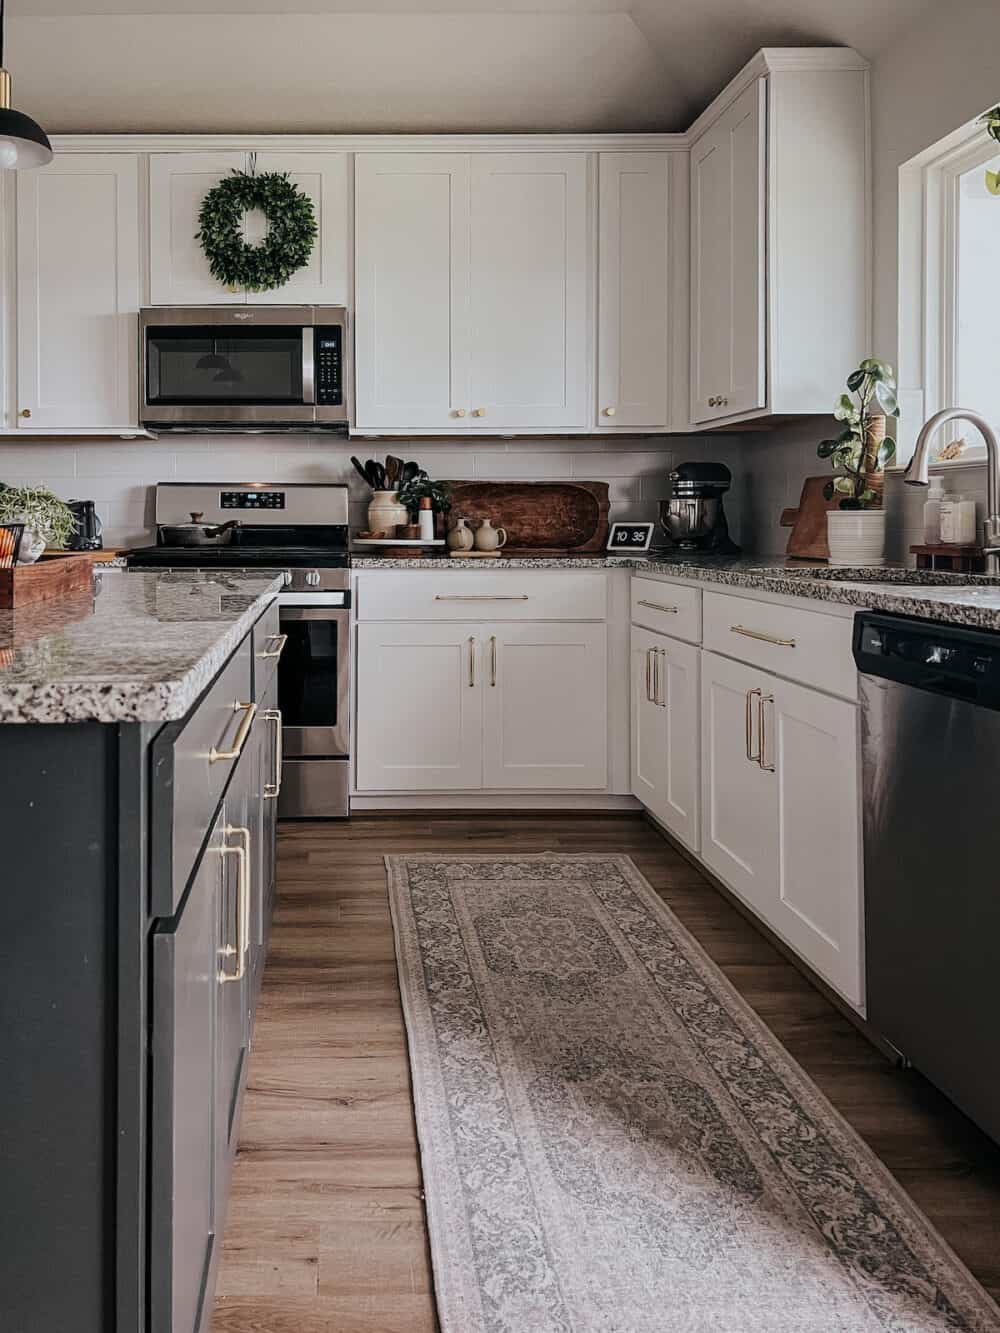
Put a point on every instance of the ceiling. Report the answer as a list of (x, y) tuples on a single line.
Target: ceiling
[(407, 65)]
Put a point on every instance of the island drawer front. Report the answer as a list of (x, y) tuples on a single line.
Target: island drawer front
[(807, 646), (668, 608), (510, 594), (267, 646), (183, 814)]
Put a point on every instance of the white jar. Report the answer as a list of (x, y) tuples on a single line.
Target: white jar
[(958, 520), (932, 512)]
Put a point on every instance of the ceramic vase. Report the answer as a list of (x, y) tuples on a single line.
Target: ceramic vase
[(856, 537), (386, 514), (461, 537), (489, 538)]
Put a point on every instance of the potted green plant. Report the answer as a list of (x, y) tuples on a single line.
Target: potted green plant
[(856, 527), (48, 521), (412, 492)]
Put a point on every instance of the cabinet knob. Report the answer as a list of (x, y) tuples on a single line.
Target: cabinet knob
[(458, 412), (711, 402), (609, 411), (25, 411), (479, 412)]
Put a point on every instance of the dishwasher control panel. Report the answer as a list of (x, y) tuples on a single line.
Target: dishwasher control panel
[(946, 659)]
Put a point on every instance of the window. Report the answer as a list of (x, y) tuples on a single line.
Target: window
[(972, 351)]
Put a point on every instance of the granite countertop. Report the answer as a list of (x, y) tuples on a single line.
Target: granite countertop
[(141, 650)]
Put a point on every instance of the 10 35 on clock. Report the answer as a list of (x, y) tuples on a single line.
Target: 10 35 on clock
[(630, 538)]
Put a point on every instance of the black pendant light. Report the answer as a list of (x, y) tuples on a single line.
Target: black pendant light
[(23, 143)]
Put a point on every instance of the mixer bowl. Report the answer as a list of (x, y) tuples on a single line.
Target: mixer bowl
[(689, 520)]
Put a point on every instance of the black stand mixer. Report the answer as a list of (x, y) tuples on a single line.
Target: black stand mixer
[(693, 517)]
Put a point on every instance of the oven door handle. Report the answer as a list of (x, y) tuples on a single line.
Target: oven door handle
[(340, 600)]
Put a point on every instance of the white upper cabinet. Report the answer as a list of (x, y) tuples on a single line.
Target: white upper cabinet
[(178, 270), (471, 291), (78, 293), (528, 291), (633, 297), (412, 290), (780, 237)]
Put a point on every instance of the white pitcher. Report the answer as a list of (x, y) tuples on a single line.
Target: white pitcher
[(489, 538)]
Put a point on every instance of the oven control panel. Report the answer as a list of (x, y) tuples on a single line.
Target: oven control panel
[(329, 367), (251, 499)]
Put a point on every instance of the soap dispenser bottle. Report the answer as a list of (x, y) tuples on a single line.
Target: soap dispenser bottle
[(932, 513)]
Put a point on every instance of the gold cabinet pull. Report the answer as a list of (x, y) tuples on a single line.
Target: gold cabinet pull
[(649, 675), (242, 947), (493, 660), (481, 597), (764, 638), (661, 673), (249, 712), (656, 677), (751, 695), (472, 662), (658, 606), (280, 640), (273, 789), (765, 699)]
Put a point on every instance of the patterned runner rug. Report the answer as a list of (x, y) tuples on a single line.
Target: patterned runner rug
[(612, 1140)]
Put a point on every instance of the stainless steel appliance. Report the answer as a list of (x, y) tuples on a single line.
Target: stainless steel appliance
[(693, 517), (300, 529), (87, 532), (243, 367), (930, 733)]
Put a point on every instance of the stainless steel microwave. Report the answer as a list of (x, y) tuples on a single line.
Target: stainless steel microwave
[(243, 367)]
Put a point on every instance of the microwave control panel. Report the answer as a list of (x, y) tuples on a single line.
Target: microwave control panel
[(329, 367)]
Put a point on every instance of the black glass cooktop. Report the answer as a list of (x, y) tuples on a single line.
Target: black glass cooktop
[(265, 547)]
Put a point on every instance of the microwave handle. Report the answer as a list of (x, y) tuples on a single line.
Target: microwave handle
[(308, 365)]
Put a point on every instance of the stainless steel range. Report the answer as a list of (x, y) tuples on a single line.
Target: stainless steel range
[(302, 530)]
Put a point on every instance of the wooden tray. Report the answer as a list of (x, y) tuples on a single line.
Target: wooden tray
[(62, 575), (540, 517)]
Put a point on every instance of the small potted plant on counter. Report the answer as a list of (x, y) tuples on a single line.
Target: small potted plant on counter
[(48, 521), (856, 527), (421, 487)]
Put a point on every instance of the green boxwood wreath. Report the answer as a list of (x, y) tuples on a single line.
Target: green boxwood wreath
[(290, 236)]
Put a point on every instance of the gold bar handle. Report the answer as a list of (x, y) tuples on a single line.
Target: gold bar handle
[(493, 660), (764, 638), (649, 675), (656, 676), (751, 695), (249, 712), (481, 597), (659, 606), (472, 662), (762, 734), (237, 831), (280, 640), (660, 676), (273, 789)]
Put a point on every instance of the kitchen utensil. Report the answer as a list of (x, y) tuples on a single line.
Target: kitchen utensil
[(197, 533), (377, 474), (87, 536), (393, 471), (361, 471), (411, 470)]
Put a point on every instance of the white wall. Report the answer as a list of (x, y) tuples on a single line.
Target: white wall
[(119, 475)]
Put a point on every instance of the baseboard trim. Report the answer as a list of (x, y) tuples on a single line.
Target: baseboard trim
[(470, 802)]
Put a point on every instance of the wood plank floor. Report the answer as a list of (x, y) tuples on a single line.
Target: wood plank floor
[(326, 1228)]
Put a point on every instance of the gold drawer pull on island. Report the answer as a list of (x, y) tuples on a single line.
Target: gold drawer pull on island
[(249, 712)]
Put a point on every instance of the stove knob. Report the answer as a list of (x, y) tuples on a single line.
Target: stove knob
[(287, 577), (312, 578)]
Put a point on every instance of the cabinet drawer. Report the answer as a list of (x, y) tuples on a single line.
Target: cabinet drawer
[(498, 595), (668, 608), (807, 646), (267, 646), (188, 781)]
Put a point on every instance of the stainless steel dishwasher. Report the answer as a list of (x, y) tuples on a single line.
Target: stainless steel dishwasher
[(930, 733)]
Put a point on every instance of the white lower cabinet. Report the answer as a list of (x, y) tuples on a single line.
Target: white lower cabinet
[(780, 821), (471, 706), (665, 733)]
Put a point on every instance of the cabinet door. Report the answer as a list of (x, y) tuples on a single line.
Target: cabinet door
[(528, 290), (739, 823), (632, 306), (323, 280), (727, 261), (183, 1216), (178, 269), (546, 706), (78, 292), (812, 742), (419, 701), (411, 289), (665, 731)]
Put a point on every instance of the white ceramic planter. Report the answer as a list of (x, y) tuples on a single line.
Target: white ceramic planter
[(856, 536)]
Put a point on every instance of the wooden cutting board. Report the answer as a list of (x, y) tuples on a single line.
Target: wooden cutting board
[(541, 518)]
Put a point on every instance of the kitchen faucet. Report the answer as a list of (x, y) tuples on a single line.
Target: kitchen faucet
[(916, 473)]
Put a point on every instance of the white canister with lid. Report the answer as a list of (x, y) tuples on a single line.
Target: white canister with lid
[(958, 520)]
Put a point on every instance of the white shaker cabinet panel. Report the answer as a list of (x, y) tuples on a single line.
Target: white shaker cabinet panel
[(411, 283), (728, 194), (178, 270), (545, 706), (78, 292), (665, 731), (419, 707), (812, 743), (529, 274), (739, 826), (324, 278), (633, 298)]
